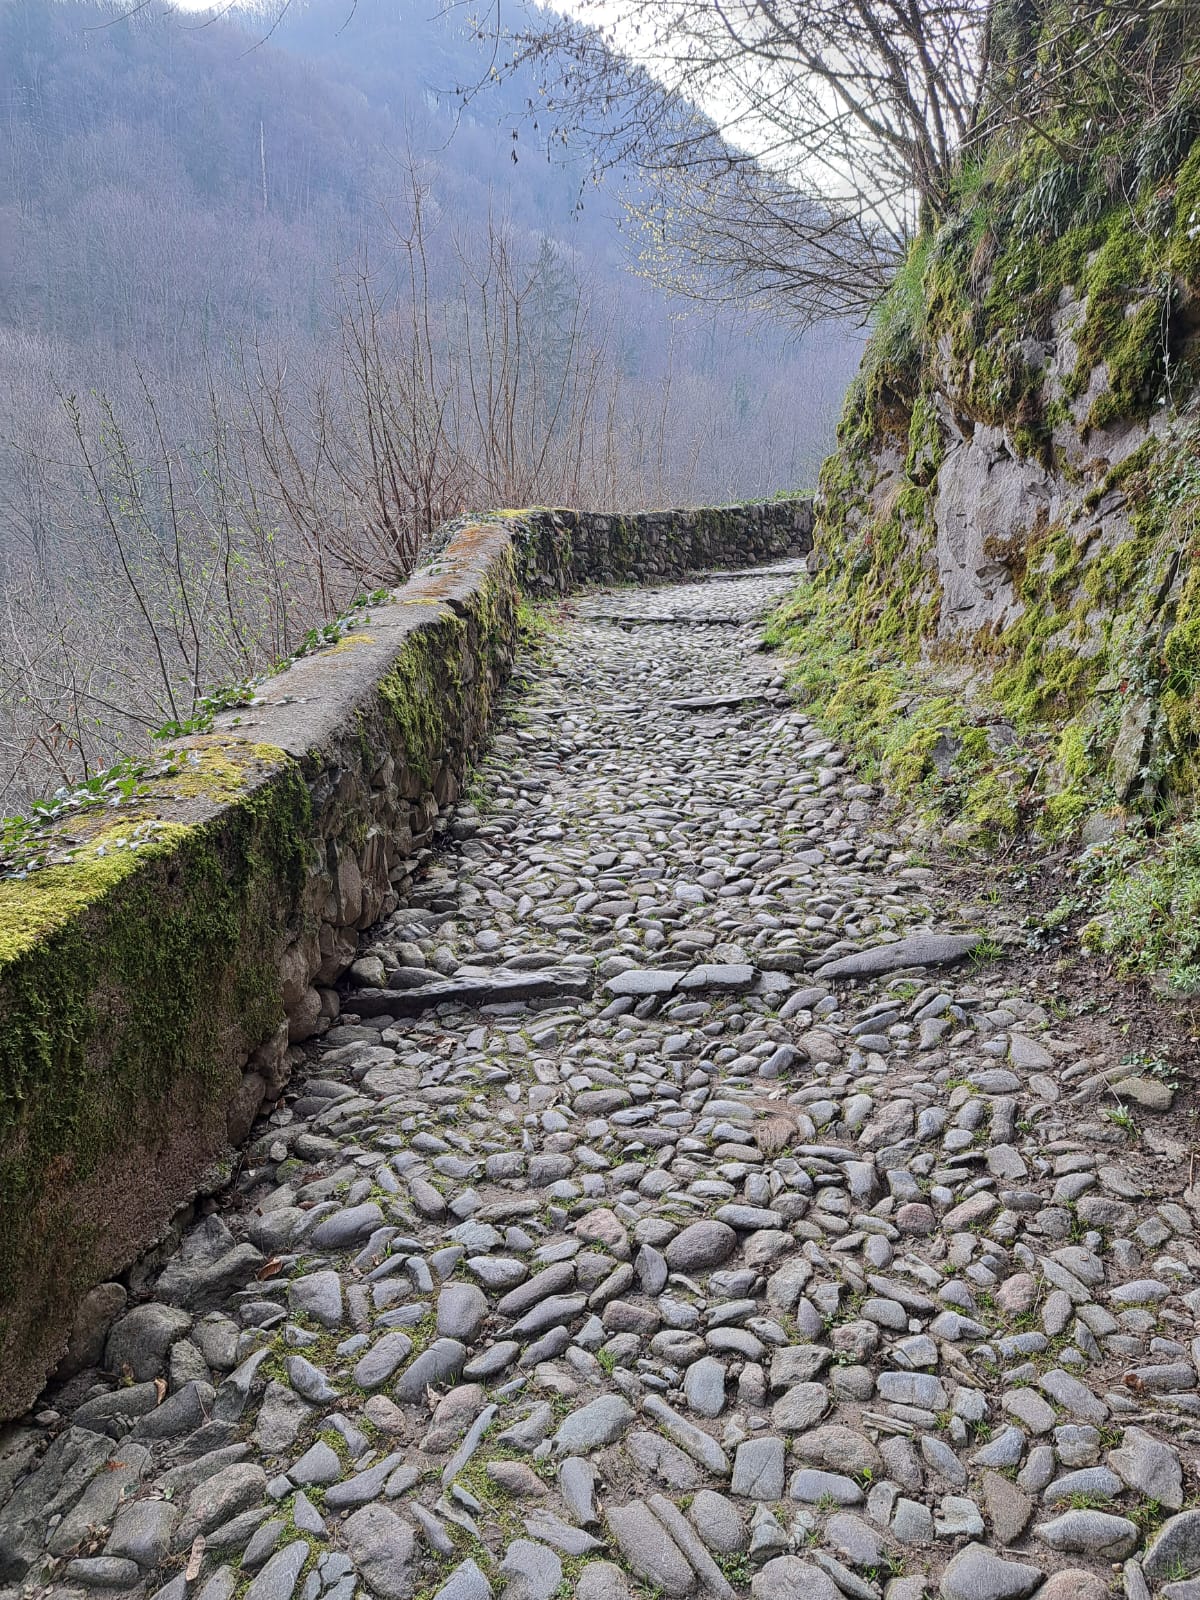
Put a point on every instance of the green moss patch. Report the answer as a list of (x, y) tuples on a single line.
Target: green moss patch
[(1147, 909), (1074, 237), (133, 983)]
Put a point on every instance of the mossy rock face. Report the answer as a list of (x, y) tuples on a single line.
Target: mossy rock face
[(1014, 502)]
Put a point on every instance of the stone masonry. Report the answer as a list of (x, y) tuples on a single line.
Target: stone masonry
[(153, 979), (674, 1208)]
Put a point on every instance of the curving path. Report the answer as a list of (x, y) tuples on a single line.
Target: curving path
[(610, 1245)]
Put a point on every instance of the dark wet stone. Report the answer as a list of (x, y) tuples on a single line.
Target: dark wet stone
[(208, 1267), (103, 1572), (918, 950), (442, 1362), (499, 988), (179, 1413), (347, 1227)]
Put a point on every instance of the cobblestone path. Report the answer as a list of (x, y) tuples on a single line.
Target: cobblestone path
[(637, 1232)]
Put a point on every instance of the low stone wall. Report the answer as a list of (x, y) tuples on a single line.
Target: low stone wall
[(151, 982), (557, 550)]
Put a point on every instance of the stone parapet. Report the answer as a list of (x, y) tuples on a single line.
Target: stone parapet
[(152, 981)]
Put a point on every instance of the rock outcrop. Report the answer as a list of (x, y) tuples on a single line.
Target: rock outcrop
[(1014, 498)]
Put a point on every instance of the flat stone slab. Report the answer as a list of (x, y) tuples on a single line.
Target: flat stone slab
[(730, 977), (918, 950), (644, 983), (498, 988), (716, 702)]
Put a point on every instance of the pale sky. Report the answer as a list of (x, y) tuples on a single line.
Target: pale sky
[(271, 8)]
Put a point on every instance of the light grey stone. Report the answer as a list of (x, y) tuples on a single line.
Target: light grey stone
[(701, 1446), (381, 1546), (600, 1422), (701, 1246), (918, 950), (439, 1363), (856, 1542), (278, 1578), (800, 1407), (102, 1572), (704, 1387), (602, 1580), (975, 1573), (1095, 1482), (346, 1227), (958, 1518), (649, 1551), (1174, 1551), (787, 1577), (319, 1296), (239, 1487), (811, 1486), (1074, 1397), (718, 1522), (1073, 1583), (758, 1469), (1096, 1533), (837, 1448), (912, 1522), (373, 1369), (318, 1465), (263, 1543), (1149, 1467), (533, 1571), (466, 1582), (1029, 1409), (577, 1485), (461, 1309), (143, 1532), (138, 1343)]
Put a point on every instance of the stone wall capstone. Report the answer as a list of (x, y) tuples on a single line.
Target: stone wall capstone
[(155, 978)]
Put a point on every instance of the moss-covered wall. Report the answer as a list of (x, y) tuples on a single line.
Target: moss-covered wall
[(134, 986), (153, 976), (1014, 507)]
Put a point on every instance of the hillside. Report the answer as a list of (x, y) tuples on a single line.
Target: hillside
[(273, 306), (1007, 610), (497, 1100), (175, 185)]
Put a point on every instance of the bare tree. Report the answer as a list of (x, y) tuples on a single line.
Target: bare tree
[(789, 149), (784, 153), (150, 564), (219, 422)]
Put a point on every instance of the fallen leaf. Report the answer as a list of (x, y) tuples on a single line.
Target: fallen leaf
[(270, 1268), (195, 1560), (160, 1389)]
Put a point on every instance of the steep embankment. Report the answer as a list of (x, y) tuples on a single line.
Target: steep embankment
[(1012, 509)]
